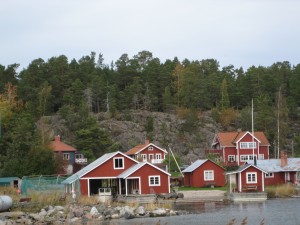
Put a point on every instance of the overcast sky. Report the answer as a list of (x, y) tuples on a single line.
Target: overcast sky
[(238, 32)]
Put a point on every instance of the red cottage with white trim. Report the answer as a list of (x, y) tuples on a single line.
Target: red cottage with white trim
[(148, 152), (236, 148), (120, 173), (204, 173), (247, 178)]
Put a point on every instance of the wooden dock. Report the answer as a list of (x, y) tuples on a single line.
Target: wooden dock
[(246, 196)]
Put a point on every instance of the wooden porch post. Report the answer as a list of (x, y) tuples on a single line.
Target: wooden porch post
[(120, 189)]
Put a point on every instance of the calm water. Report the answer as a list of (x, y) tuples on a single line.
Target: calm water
[(271, 212)]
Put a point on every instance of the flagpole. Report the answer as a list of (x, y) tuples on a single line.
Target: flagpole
[(252, 134)]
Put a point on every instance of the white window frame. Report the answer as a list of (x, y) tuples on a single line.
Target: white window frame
[(116, 167), (247, 145), (251, 181), (66, 156), (158, 155), (154, 180), (151, 156), (269, 175), (231, 156), (150, 148), (245, 158), (209, 175), (144, 157)]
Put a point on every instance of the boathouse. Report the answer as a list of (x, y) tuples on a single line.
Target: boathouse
[(204, 173), (248, 178), (118, 173)]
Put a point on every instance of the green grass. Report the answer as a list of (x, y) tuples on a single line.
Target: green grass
[(201, 189)]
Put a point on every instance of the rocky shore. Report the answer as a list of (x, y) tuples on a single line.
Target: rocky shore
[(75, 214)]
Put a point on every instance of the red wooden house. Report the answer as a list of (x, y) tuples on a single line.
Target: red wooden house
[(247, 178), (71, 159), (203, 173), (148, 152), (120, 173), (236, 148), (281, 171)]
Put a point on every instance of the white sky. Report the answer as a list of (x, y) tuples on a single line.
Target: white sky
[(238, 32)]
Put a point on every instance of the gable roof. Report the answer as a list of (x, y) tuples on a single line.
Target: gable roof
[(241, 135), (135, 150), (197, 164), (244, 167), (136, 167), (228, 139), (59, 146), (93, 165)]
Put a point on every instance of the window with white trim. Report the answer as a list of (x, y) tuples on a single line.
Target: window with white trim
[(251, 178), (208, 175), (154, 180), (151, 156), (150, 148), (269, 175), (245, 158), (158, 156), (66, 156), (231, 158), (144, 157), (119, 163), (247, 145)]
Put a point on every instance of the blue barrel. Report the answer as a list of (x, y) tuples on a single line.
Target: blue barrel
[(5, 203)]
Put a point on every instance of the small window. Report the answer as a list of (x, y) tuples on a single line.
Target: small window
[(158, 156), (66, 156), (269, 175), (150, 148), (151, 156), (251, 178), (208, 175), (231, 158), (154, 180), (144, 157), (78, 156), (119, 163)]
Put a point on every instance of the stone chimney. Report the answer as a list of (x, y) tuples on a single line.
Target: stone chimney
[(283, 158)]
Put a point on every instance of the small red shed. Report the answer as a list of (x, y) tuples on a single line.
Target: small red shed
[(247, 178), (203, 173)]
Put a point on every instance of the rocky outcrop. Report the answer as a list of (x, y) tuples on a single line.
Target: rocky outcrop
[(75, 214)]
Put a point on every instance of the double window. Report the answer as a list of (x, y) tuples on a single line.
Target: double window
[(154, 180), (66, 156), (247, 145), (119, 163), (231, 158), (251, 178), (245, 158), (208, 175)]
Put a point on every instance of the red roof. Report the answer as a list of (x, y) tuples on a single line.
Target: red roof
[(59, 146), (229, 138), (137, 148), (141, 147)]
